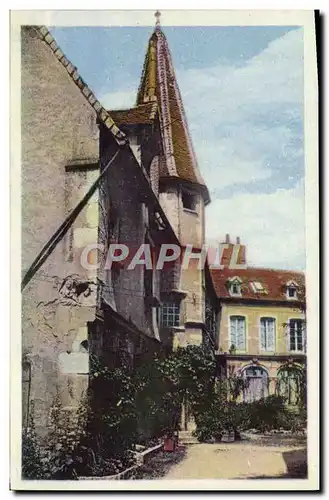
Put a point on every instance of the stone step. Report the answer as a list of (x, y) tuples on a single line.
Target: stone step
[(186, 437)]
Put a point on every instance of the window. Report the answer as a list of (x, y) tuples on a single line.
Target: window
[(234, 286), (257, 287), (256, 383), (296, 335), (267, 334), (189, 200), (292, 292), (84, 347), (238, 332), (170, 314)]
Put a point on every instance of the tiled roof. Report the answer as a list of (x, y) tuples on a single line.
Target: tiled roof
[(140, 115), (102, 114), (159, 84), (274, 282)]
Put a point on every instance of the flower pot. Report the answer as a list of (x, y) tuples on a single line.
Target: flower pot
[(169, 443)]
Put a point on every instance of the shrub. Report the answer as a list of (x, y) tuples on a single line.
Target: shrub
[(32, 467), (267, 413), (264, 415)]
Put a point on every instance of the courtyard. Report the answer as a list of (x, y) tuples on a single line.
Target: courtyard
[(255, 457)]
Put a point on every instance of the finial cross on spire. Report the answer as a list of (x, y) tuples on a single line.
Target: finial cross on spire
[(157, 16)]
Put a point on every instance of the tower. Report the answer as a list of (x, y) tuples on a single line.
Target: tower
[(182, 191)]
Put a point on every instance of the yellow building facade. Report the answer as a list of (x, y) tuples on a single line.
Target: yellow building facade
[(261, 328)]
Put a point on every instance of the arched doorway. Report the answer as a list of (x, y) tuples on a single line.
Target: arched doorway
[(291, 383), (256, 378)]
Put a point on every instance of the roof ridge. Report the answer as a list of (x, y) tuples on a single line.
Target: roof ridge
[(88, 94), (254, 268), (136, 106), (276, 269)]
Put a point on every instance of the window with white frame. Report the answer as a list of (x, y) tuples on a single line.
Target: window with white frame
[(234, 287), (296, 334), (291, 290), (170, 314), (267, 334), (238, 332)]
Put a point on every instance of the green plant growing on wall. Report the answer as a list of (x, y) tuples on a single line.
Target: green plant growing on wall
[(32, 466)]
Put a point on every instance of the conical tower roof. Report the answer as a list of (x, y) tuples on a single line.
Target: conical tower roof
[(159, 84)]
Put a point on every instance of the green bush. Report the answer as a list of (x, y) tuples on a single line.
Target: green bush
[(264, 415), (267, 413)]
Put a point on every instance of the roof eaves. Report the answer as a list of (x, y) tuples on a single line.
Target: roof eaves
[(90, 97)]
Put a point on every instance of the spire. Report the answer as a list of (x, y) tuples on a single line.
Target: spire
[(157, 16), (158, 83)]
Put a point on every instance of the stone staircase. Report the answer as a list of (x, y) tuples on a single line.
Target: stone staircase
[(186, 438)]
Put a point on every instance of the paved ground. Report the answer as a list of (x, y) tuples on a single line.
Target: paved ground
[(259, 457)]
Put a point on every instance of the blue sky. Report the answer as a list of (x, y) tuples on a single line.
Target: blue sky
[(242, 89)]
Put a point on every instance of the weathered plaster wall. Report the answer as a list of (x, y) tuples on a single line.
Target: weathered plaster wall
[(58, 129)]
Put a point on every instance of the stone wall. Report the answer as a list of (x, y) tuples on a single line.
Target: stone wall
[(58, 130)]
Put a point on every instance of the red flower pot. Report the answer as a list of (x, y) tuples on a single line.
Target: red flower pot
[(169, 444)]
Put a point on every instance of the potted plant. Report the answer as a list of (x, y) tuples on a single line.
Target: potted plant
[(232, 349), (170, 441), (171, 435)]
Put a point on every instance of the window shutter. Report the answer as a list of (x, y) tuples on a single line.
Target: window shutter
[(241, 334), (233, 331), (271, 334), (263, 334)]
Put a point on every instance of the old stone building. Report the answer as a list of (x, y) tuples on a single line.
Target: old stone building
[(262, 324), (92, 178), (159, 118)]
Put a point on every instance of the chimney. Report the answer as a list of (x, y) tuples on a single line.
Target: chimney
[(227, 253), (242, 259)]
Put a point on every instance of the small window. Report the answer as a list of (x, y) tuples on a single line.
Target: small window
[(257, 287), (238, 332), (170, 314), (189, 200), (292, 292), (84, 347), (267, 334), (234, 287), (296, 335)]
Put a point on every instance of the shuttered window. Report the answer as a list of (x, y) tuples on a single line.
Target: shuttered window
[(238, 332), (267, 334), (296, 335)]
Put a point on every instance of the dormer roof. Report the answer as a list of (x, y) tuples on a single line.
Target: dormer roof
[(261, 284)]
